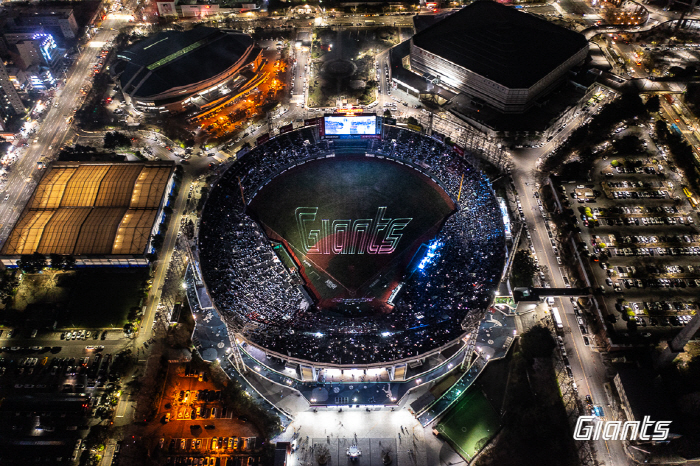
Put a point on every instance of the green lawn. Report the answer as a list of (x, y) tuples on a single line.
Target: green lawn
[(103, 298), (346, 189), (470, 423)]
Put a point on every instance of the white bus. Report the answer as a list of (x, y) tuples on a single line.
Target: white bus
[(557, 318)]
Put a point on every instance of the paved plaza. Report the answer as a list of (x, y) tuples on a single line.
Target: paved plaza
[(375, 433)]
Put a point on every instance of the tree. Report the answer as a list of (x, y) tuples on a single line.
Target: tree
[(630, 144), (8, 286), (524, 268), (61, 262), (323, 454), (653, 104), (412, 121), (575, 170), (387, 113), (158, 241), (537, 343), (32, 263), (116, 139), (662, 131)]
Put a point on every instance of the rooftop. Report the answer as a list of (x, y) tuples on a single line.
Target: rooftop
[(510, 47), (91, 208), (173, 59), (645, 396)]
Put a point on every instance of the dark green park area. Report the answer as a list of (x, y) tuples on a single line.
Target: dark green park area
[(83, 298), (103, 298), (535, 430)]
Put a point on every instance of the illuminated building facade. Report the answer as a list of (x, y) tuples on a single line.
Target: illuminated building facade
[(168, 71), (497, 55)]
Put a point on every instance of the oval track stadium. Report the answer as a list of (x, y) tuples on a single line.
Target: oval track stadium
[(350, 252)]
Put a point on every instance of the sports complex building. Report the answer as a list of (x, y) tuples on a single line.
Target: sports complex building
[(496, 55), (102, 214), (348, 250), (172, 70)]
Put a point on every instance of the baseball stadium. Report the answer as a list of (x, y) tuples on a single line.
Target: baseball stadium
[(358, 253)]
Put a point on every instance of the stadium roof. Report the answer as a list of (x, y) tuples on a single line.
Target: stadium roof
[(172, 59), (91, 208), (498, 42)]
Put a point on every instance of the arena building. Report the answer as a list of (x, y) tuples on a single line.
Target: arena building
[(363, 258), (496, 55), (102, 214), (171, 71)]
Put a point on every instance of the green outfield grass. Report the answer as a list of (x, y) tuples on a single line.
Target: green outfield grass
[(349, 188), (470, 423)]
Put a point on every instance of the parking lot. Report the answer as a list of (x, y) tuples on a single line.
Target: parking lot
[(640, 235), (53, 395), (194, 425)]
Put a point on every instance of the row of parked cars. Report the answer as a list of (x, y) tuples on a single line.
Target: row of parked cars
[(82, 335), (658, 194), (652, 283), (687, 251), (673, 321), (213, 443), (212, 461), (660, 239)]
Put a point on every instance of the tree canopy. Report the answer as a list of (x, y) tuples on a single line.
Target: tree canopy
[(524, 268), (31, 263)]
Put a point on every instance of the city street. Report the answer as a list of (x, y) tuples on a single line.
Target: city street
[(587, 365), (53, 130)]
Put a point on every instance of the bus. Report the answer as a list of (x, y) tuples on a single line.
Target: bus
[(557, 318)]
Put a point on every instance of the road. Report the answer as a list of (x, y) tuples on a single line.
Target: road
[(587, 365), (52, 132), (166, 252)]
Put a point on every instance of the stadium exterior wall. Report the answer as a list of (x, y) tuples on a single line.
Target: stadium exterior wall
[(176, 99), (10, 262), (377, 365), (498, 96)]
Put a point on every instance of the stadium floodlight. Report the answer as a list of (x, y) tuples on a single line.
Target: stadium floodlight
[(386, 334)]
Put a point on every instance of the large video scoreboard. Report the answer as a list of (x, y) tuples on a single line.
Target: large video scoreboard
[(351, 126)]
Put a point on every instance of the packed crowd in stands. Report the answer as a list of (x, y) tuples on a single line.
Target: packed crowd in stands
[(255, 292)]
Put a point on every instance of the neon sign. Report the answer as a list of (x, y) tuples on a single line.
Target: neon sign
[(349, 236)]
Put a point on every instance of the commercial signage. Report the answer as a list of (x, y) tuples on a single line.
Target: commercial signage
[(262, 139)]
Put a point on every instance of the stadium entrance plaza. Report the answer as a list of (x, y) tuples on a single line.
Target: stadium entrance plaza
[(376, 432)]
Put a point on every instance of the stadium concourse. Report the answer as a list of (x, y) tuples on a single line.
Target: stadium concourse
[(264, 302)]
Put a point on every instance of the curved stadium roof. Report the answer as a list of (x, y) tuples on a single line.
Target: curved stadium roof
[(175, 59), (498, 42), (91, 208)]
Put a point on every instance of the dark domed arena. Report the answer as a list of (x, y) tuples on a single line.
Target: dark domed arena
[(351, 251)]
